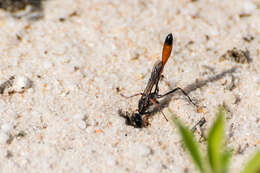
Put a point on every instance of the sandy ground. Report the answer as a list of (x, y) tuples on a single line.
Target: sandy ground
[(60, 112)]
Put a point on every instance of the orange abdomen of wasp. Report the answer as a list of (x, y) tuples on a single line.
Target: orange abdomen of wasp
[(167, 49)]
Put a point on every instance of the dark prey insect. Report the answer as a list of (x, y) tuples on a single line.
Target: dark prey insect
[(150, 95)]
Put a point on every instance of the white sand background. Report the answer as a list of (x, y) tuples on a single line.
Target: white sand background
[(68, 120)]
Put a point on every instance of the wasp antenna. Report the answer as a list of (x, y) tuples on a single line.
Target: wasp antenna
[(167, 48)]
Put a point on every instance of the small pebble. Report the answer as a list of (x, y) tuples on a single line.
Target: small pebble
[(99, 131), (21, 83), (200, 109), (82, 124)]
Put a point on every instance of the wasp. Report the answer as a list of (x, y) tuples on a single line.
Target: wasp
[(149, 96)]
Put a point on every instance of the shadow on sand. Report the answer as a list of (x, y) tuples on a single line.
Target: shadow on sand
[(192, 87)]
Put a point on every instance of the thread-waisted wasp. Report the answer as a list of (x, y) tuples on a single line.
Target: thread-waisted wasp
[(150, 95)]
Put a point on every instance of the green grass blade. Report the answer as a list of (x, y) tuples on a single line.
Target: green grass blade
[(191, 144), (253, 166), (225, 160), (215, 141)]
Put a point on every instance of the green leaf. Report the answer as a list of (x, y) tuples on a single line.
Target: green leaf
[(190, 143), (215, 142), (253, 166)]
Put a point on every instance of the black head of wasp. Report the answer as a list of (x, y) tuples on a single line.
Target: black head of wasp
[(150, 95)]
